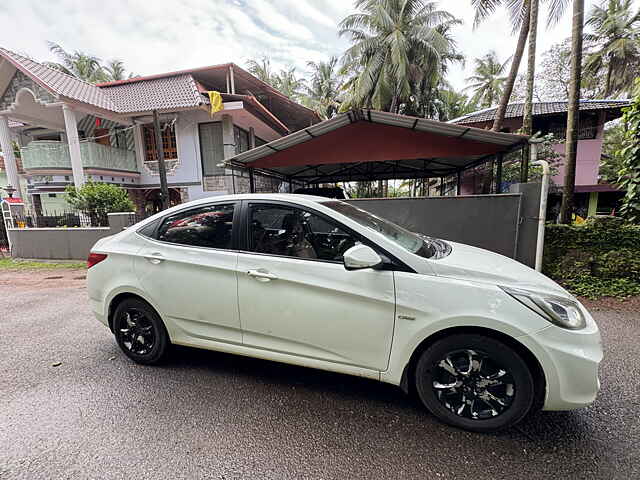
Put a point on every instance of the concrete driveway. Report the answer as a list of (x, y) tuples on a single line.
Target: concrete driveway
[(211, 415)]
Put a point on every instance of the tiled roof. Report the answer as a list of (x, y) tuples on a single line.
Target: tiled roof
[(164, 91), (515, 110), (60, 83), (161, 93)]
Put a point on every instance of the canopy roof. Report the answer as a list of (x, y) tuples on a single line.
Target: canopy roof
[(367, 144)]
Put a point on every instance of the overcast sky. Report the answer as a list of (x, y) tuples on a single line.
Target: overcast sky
[(156, 36)]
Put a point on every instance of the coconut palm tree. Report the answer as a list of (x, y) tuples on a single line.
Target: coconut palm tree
[(396, 44), (114, 70), (573, 113), (87, 67), (615, 45), (78, 64), (452, 104), (521, 14), (324, 88), (527, 119), (261, 69), (428, 95), (287, 83), (488, 79)]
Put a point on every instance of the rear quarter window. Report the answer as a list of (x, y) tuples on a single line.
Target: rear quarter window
[(149, 230)]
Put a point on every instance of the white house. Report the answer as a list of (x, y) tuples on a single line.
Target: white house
[(69, 131)]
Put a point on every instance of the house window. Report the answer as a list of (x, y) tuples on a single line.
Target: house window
[(169, 144), (242, 140), (211, 148)]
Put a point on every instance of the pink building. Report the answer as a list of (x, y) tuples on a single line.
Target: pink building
[(592, 196)]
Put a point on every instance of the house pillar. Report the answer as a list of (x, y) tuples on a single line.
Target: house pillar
[(71, 124), (593, 204), (499, 160), (228, 137), (138, 143), (9, 156)]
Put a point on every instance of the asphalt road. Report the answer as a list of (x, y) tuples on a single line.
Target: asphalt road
[(211, 415)]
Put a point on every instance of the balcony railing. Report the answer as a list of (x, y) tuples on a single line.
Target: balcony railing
[(52, 155)]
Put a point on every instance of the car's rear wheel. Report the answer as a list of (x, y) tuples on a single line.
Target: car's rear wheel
[(474, 382), (139, 331)]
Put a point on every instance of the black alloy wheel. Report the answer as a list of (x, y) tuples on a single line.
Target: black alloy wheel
[(139, 331), (474, 382), (470, 384)]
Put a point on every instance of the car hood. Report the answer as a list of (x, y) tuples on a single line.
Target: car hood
[(471, 263)]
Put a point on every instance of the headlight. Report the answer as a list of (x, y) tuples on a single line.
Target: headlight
[(562, 311)]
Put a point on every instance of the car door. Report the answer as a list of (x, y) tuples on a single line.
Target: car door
[(188, 268), (296, 297)]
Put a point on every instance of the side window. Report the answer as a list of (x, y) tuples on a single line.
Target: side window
[(149, 230), (208, 226), (293, 232)]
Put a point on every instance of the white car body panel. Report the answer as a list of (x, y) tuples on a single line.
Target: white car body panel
[(318, 310), (318, 314), (203, 280)]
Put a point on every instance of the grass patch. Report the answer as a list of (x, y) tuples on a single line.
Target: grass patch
[(17, 264)]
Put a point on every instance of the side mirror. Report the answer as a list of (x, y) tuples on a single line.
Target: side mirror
[(361, 256)]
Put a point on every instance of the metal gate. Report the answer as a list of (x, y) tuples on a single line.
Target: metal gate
[(4, 240)]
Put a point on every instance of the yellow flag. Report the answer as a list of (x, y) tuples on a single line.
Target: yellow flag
[(216, 101)]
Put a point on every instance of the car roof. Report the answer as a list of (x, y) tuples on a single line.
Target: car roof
[(264, 196), (283, 197)]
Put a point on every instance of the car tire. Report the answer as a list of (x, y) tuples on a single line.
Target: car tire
[(140, 332), (474, 382)]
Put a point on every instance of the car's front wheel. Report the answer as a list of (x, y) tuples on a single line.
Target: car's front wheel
[(139, 331), (474, 382)]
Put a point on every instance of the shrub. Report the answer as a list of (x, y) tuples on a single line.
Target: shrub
[(629, 158), (98, 199), (598, 258)]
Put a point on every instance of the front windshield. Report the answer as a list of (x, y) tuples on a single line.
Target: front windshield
[(415, 243)]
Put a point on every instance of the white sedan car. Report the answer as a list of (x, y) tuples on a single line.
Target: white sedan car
[(480, 338)]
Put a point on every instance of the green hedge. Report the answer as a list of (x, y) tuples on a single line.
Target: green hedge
[(598, 258)]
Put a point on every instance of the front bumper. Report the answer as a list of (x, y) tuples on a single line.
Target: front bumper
[(570, 360)]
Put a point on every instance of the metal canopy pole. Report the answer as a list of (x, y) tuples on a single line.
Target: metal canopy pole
[(252, 184), (524, 164), (499, 159), (459, 183), (164, 189)]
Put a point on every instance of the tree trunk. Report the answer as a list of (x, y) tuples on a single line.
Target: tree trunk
[(573, 118), (527, 121), (607, 83), (513, 73)]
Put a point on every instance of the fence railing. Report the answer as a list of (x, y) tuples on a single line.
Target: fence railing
[(64, 219)]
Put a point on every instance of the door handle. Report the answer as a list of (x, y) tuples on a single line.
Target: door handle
[(154, 258), (262, 275)]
